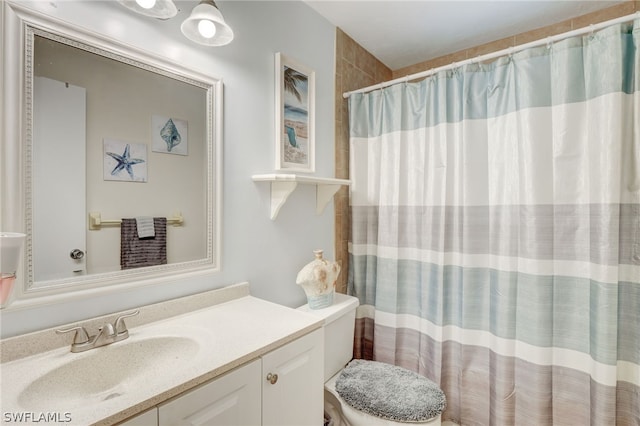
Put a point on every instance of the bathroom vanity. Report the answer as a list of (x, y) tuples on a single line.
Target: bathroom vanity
[(220, 357)]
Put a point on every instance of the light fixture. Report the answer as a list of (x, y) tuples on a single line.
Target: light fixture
[(206, 25), (161, 9)]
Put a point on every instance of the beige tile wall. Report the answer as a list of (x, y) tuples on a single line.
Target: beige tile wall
[(356, 68), (612, 12)]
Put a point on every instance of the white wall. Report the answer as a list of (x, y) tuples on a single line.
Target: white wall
[(266, 253)]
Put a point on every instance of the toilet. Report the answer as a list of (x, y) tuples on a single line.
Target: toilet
[(355, 380)]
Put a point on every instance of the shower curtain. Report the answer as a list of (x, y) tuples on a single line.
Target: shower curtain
[(495, 243)]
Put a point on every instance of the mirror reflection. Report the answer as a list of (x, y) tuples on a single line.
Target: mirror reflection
[(123, 144)]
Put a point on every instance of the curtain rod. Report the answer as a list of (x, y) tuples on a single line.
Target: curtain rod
[(508, 51)]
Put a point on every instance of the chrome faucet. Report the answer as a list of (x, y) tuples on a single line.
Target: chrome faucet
[(107, 334)]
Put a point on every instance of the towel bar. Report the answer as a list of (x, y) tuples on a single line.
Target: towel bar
[(96, 222)]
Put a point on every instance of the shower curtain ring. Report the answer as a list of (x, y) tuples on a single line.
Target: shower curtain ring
[(432, 76), (510, 53)]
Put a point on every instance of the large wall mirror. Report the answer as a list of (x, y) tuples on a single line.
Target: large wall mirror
[(120, 164)]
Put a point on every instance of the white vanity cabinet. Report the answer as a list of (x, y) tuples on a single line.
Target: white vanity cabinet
[(295, 395), (283, 387), (148, 418), (233, 399)]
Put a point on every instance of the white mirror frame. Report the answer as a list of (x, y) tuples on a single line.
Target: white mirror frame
[(21, 23)]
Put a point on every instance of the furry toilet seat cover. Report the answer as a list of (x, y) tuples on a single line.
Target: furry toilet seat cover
[(390, 392)]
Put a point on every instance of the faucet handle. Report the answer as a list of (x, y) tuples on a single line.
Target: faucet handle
[(119, 325), (79, 338), (107, 330)]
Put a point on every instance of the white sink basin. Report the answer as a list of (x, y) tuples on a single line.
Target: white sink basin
[(107, 372)]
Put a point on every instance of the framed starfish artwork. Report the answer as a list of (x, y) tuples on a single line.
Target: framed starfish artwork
[(124, 161), (169, 135)]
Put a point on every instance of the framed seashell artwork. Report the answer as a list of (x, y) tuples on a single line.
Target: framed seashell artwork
[(169, 135)]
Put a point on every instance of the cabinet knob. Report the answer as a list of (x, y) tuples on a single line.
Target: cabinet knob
[(272, 378)]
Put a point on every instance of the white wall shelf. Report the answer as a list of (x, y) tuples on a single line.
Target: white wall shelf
[(282, 185)]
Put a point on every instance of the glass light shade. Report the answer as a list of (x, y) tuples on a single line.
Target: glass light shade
[(162, 9), (207, 11)]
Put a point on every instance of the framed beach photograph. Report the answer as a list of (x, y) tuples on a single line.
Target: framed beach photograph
[(295, 116)]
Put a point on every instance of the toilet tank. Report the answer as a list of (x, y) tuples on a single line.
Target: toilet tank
[(339, 323)]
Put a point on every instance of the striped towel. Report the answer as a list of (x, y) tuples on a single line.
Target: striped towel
[(146, 227), (136, 252)]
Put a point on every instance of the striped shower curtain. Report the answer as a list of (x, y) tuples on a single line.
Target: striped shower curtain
[(495, 243)]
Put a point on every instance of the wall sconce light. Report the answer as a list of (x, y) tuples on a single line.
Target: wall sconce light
[(160, 9), (206, 25)]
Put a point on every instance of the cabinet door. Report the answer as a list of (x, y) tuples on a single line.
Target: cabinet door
[(292, 383), (231, 400), (148, 418)]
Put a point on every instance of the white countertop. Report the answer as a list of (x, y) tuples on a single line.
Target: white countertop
[(229, 334)]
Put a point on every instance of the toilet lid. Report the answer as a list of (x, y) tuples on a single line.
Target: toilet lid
[(389, 392)]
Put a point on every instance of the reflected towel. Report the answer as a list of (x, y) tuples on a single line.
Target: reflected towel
[(136, 252), (145, 227)]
